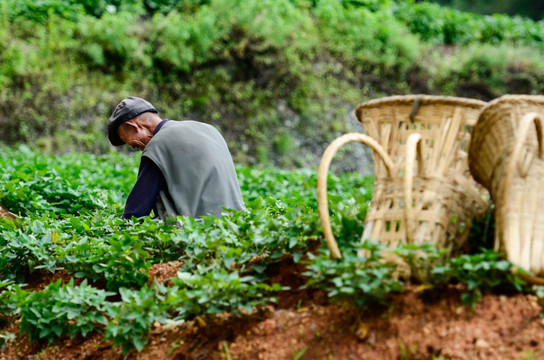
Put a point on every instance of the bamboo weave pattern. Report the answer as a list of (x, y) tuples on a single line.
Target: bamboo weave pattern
[(507, 157), (419, 147)]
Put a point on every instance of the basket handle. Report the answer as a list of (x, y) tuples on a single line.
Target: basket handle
[(322, 202), (522, 133), (413, 150), (516, 163)]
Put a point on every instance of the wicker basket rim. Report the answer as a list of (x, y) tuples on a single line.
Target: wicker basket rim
[(513, 98), (424, 100), (479, 131), (481, 128)]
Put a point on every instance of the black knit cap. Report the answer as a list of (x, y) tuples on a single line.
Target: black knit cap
[(127, 109)]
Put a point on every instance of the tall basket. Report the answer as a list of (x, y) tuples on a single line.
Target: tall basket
[(423, 190), (507, 157)]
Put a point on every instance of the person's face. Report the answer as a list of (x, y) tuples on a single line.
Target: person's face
[(134, 134)]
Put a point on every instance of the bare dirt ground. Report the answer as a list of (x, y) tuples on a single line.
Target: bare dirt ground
[(5, 213), (304, 325)]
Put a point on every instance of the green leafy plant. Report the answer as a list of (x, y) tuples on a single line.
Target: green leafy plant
[(363, 280), (480, 272), (8, 295), (22, 252), (63, 310), (205, 292), (135, 316)]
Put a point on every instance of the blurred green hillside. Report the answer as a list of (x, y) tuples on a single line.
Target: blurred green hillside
[(533, 9), (279, 78)]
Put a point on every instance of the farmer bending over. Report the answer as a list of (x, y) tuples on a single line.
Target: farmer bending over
[(186, 167)]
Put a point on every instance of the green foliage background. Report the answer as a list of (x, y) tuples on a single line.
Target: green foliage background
[(533, 9), (280, 78)]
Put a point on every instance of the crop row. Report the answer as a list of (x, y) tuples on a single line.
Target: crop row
[(224, 261), (69, 218)]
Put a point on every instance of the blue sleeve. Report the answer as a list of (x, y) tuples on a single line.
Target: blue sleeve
[(143, 195)]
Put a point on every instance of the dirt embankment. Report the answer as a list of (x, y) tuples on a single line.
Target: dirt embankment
[(304, 325)]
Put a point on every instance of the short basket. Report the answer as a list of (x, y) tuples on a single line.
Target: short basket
[(507, 157), (423, 189)]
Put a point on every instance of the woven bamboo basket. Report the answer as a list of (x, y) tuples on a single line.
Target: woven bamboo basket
[(507, 157), (423, 190)]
